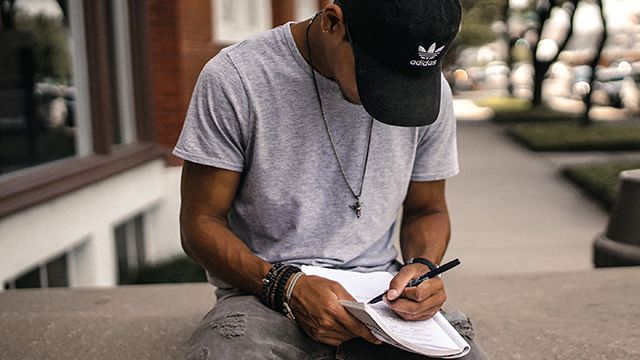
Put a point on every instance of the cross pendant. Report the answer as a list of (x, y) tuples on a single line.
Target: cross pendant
[(357, 208)]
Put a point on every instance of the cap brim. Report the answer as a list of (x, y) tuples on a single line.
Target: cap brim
[(397, 98)]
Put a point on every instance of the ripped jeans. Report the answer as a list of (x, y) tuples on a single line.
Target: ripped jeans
[(241, 327)]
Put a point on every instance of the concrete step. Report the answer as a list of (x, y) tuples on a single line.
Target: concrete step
[(588, 314)]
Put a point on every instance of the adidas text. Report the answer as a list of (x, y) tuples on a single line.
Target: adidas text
[(423, 62)]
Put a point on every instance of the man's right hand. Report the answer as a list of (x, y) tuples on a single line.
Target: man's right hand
[(315, 304)]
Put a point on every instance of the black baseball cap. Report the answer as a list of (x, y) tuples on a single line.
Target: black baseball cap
[(398, 47)]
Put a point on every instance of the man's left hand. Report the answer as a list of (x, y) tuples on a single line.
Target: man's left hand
[(415, 303)]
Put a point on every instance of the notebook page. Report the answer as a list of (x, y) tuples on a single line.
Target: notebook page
[(362, 286), (424, 333), (453, 334)]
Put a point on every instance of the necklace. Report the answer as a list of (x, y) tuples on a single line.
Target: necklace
[(357, 207)]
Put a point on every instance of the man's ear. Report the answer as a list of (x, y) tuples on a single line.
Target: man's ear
[(333, 20)]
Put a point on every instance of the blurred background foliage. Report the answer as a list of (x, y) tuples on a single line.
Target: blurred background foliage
[(479, 17)]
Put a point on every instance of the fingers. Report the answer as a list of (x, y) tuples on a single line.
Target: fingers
[(356, 327), (315, 303), (425, 315), (401, 279), (351, 323), (328, 331), (420, 302), (425, 290)]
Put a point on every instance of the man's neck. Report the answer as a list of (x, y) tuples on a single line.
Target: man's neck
[(317, 57)]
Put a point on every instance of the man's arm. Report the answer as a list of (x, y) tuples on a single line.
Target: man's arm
[(425, 233), (207, 194), (425, 227)]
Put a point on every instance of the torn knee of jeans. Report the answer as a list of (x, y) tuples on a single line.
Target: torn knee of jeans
[(461, 323), (201, 354), (231, 324), (464, 327)]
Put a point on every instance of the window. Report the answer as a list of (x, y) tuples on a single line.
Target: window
[(130, 249), (54, 273), (75, 97), (37, 87), (235, 20)]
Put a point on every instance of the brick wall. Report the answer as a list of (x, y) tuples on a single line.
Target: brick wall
[(181, 42)]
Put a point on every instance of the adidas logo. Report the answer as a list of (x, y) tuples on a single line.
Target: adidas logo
[(427, 57)]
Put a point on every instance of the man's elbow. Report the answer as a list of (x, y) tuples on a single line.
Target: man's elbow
[(186, 236), (185, 245)]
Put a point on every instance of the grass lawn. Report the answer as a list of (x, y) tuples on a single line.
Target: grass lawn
[(570, 136), (513, 110), (599, 181)]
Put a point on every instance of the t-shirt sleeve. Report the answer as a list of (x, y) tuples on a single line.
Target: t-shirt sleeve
[(217, 117), (437, 151)]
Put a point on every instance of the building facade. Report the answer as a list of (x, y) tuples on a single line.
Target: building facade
[(88, 189)]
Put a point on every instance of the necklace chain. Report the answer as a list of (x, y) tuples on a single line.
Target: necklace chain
[(357, 207)]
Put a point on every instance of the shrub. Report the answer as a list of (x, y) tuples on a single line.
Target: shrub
[(573, 137), (176, 270), (513, 110), (599, 181)]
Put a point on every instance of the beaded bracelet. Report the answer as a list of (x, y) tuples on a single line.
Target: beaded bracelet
[(269, 281), (281, 284), (274, 286)]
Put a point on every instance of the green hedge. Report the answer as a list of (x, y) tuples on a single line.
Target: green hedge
[(599, 181), (177, 270), (573, 137)]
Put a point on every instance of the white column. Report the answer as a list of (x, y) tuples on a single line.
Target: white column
[(102, 266)]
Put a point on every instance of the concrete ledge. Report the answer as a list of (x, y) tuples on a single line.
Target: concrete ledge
[(130, 322), (591, 314)]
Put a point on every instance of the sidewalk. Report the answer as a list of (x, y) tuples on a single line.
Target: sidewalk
[(511, 211)]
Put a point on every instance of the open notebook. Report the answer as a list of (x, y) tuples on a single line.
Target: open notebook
[(434, 337)]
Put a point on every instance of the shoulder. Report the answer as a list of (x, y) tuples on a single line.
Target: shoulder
[(259, 51), (446, 95), (446, 118)]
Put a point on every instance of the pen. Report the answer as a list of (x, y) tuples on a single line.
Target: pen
[(417, 281)]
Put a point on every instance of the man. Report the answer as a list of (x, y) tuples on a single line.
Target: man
[(287, 166)]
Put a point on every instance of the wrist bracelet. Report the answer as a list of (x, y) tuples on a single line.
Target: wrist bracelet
[(274, 286), (287, 297), (268, 282), (423, 261), (281, 283)]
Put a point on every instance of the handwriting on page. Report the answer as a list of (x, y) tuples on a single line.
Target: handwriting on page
[(422, 333)]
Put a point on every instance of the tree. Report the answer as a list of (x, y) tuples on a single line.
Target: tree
[(586, 119), (544, 54), (551, 39)]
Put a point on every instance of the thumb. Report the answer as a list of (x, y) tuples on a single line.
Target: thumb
[(399, 282)]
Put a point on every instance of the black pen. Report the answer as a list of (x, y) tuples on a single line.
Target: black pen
[(417, 281)]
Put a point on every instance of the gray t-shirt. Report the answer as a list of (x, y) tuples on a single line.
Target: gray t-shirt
[(254, 110)]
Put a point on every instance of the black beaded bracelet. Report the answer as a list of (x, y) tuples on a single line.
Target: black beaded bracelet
[(273, 295), (281, 285), (269, 281)]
